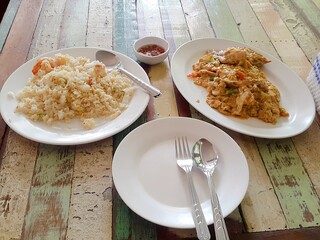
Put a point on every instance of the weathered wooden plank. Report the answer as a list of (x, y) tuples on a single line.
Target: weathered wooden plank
[(307, 39), (63, 18), (15, 50), (123, 221), (126, 27), (176, 32), (317, 3), (14, 53), (291, 183), (197, 19), (235, 216), (287, 49), (48, 205), (74, 27), (48, 29), (281, 37), (90, 213), (19, 156), (250, 28), (293, 234), (7, 20), (308, 146), (257, 218), (220, 16), (150, 24), (310, 43), (120, 219), (260, 191), (126, 226), (15, 178), (309, 11), (99, 30)]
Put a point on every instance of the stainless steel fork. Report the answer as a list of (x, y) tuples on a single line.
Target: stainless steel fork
[(184, 160)]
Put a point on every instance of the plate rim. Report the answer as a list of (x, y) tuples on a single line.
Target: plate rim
[(271, 132), (93, 135), (132, 204)]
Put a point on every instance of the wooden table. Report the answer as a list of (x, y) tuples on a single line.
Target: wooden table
[(66, 192)]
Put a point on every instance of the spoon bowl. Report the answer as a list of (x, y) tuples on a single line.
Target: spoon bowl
[(113, 63), (205, 155)]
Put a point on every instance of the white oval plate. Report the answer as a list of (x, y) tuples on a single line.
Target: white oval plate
[(295, 95), (72, 133), (149, 181)]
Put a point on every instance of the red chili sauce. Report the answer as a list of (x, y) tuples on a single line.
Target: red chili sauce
[(151, 50)]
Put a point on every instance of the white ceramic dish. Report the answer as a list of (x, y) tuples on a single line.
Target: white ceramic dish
[(150, 40), (72, 133), (149, 181), (295, 96)]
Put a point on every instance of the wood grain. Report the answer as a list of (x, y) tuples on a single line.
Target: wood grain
[(176, 32), (100, 24), (197, 19), (14, 52), (299, 26), (260, 191), (281, 38), (10, 11), (296, 194), (15, 179), (48, 204), (126, 224), (222, 20), (74, 28), (90, 214), (149, 13), (48, 28), (67, 192)]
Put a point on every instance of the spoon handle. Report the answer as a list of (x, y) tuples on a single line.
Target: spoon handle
[(148, 87), (197, 214), (220, 228)]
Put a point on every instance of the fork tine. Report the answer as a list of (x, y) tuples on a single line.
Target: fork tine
[(186, 147), (182, 147), (179, 152), (176, 147)]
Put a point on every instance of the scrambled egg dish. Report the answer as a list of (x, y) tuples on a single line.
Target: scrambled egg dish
[(236, 86)]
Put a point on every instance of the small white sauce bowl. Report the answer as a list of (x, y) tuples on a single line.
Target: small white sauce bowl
[(150, 40)]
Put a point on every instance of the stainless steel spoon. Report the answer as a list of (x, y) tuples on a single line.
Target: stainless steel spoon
[(206, 158), (112, 62)]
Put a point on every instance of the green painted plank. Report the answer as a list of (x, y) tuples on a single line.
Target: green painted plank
[(48, 206), (296, 194), (121, 219), (222, 21), (7, 21), (308, 9), (126, 27), (250, 27), (127, 225), (299, 27)]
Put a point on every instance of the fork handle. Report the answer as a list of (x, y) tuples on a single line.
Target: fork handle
[(197, 214), (220, 227)]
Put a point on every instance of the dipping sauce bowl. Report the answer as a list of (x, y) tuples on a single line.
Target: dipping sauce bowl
[(151, 50)]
